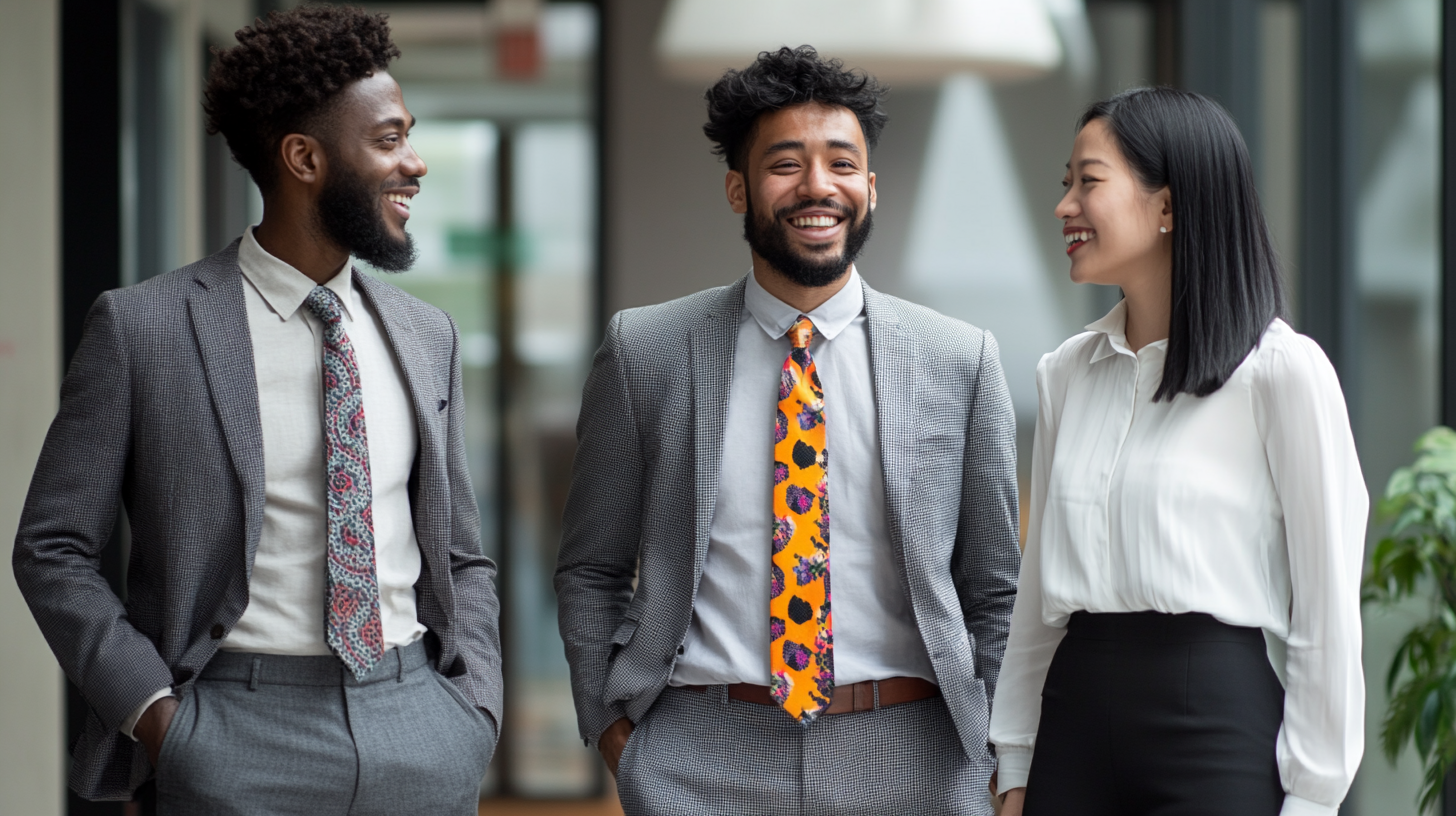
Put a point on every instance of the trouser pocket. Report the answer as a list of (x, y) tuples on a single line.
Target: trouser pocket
[(481, 720), (178, 731)]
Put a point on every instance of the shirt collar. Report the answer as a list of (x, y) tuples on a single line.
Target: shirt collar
[(284, 288), (1113, 327), (833, 316)]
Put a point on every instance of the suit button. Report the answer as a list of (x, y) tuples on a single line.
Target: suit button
[(680, 649), (218, 631)]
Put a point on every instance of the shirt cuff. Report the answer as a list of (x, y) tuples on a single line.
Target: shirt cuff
[(1013, 765), (1299, 806), (129, 724)]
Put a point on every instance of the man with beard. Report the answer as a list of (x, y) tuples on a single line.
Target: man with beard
[(698, 546), (309, 625)]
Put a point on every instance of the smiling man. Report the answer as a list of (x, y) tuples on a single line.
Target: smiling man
[(309, 626), (694, 573)]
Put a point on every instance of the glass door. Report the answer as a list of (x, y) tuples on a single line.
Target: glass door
[(506, 225)]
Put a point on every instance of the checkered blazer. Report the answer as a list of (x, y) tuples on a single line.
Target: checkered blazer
[(159, 414), (645, 483)]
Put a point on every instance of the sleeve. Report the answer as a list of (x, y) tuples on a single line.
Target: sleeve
[(128, 726), (986, 555), (601, 529), (1029, 649), (472, 574), (68, 518), (1301, 411)]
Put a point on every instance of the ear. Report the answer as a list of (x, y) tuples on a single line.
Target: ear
[(1165, 209), (873, 196), (303, 157), (737, 189)]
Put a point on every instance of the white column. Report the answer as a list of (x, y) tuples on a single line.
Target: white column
[(31, 753)]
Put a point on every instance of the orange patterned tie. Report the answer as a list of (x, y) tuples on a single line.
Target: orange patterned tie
[(801, 629)]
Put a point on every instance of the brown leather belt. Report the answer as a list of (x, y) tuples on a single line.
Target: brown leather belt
[(847, 699)]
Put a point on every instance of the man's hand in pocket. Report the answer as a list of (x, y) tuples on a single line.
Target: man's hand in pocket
[(152, 728), (614, 742)]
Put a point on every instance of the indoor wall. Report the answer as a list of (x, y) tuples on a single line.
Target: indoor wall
[(31, 755)]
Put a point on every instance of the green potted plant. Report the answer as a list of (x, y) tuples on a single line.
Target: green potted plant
[(1417, 559)]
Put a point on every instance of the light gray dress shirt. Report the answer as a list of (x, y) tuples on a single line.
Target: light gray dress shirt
[(875, 636), (286, 590)]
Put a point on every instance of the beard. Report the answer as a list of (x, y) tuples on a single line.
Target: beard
[(349, 214), (769, 238)]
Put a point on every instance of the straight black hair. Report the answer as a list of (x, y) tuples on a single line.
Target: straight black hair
[(1226, 281)]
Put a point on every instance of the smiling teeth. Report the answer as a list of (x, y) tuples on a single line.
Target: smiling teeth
[(814, 221), (1076, 237), (398, 198)]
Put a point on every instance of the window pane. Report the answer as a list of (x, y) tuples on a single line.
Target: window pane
[(555, 228), (1397, 264)]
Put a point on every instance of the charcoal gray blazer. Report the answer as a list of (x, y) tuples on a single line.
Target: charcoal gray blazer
[(645, 480), (159, 414)]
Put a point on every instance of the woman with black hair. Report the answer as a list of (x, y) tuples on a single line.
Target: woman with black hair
[(1197, 512)]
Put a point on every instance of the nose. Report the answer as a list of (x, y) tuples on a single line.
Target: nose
[(1068, 206), (412, 165), (817, 183)]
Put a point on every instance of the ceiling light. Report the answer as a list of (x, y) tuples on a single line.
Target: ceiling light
[(898, 41)]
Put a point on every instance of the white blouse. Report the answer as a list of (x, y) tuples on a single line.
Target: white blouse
[(1247, 504)]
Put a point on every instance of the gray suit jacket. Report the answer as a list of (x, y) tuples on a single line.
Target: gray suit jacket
[(646, 479), (159, 413)]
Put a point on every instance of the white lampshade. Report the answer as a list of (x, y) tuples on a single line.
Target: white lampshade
[(898, 41)]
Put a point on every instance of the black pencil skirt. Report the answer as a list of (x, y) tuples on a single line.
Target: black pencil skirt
[(1149, 714)]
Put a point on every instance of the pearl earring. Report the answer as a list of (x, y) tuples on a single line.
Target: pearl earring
[(1162, 229)]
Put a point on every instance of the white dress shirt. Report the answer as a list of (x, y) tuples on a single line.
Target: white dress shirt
[(286, 607), (874, 628), (1247, 505)]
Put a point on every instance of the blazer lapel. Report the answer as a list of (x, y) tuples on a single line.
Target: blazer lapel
[(423, 387), (219, 317), (431, 527), (892, 362), (713, 342)]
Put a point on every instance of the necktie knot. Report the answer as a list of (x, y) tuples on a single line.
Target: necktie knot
[(801, 332), (325, 304)]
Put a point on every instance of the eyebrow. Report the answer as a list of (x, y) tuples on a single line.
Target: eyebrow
[(1085, 162), (397, 122), (795, 144), (786, 144)]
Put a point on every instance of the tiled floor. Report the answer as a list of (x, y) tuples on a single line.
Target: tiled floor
[(529, 807)]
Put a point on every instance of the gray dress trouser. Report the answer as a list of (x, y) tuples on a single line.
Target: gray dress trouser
[(271, 734), (704, 754)]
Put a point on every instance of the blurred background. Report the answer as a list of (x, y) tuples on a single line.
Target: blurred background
[(569, 178)]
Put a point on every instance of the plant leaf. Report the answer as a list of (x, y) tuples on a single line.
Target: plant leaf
[(1428, 723), (1417, 558)]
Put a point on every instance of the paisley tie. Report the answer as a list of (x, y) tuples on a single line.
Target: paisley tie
[(354, 630), (801, 629)]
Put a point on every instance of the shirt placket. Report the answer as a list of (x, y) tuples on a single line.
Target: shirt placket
[(1130, 375)]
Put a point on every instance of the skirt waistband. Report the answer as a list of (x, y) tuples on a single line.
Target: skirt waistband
[(1159, 626)]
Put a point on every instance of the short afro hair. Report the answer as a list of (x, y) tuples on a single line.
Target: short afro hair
[(781, 79), (283, 74)]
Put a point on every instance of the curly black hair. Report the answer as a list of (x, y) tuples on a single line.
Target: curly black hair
[(283, 74), (780, 79)]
